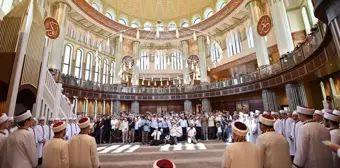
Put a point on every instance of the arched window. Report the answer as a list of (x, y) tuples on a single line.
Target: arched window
[(105, 70), (312, 18), (238, 42), (250, 36), (184, 23), (123, 21), (68, 51), (79, 62), (208, 12), (96, 6), (134, 25), (109, 15), (196, 19), (172, 26), (97, 69), (147, 26), (160, 60), (176, 61), (160, 27), (112, 72), (143, 60), (88, 66), (220, 4), (215, 52), (306, 20)]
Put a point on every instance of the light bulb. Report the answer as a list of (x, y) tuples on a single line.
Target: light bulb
[(208, 40), (121, 37), (137, 34), (149, 83), (154, 83), (177, 33), (194, 36), (167, 83), (161, 83), (142, 82)]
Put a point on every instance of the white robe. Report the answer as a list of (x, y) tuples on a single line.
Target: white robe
[(277, 126), (293, 135), (335, 138), (50, 133), (83, 152), (310, 151), (41, 135), (55, 154), (288, 130), (34, 135), (253, 130), (274, 150), (68, 132), (241, 155), (19, 151)]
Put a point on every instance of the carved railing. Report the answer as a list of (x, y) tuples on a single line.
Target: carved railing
[(285, 63)]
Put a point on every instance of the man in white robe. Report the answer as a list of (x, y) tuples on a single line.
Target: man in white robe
[(241, 154), (50, 134), (19, 151), (283, 121), (294, 133), (41, 133), (318, 115), (83, 148), (311, 152), (273, 146), (253, 122), (288, 130), (3, 126), (56, 154), (257, 113), (32, 130), (68, 129), (277, 124), (332, 121)]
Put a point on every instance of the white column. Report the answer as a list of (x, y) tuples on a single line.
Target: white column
[(111, 108), (202, 59), (206, 106), (188, 106), (59, 12), (254, 8), (76, 106), (281, 26), (95, 108), (86, 104), (104, 109), (185, 54), (118, 60), (135, 107), (135, 69)]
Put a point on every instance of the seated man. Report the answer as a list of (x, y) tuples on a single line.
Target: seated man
[(156, 137), (192, 135)]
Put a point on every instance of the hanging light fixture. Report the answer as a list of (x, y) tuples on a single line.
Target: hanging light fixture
[(208, 39), (177, 33), (121, 37), (137, 34), (194, 36)]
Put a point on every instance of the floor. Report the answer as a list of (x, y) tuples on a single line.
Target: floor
[(205, 154)]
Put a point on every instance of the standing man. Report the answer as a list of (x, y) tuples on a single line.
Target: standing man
[(184, 125), (55, 152), (235, 154), (311, 152), (288, 130), (253, 122), (19, 149), (277, 124), (294, 133), (283, 118), (204, 131), (50, 130), (332, 121), (69, 130), (273, 146), (3, 126), (318, 115), (83, 148), (41, 133), (144, 124), (32, 130)]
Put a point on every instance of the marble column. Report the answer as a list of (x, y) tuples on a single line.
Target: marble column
[(254, 8), (206, 106), (111, 107), (185, 55), (282, 30), (269, 100), (202, 58), (60, 10), (116, 106), (95, 110), (188, 105), (86, 105), (118, 60), (135, 69), (135, 107), (296, 95), (75, 105), (104, 108)]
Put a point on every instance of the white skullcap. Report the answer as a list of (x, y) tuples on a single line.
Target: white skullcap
[(274, 113), (64, 118), (10, 119), (283, 111), (336, 112), (295, 112), (267, 120), (23, 117), (84, 122), (57, 119), (3, 118), (318, 112), (332, 117), (326, 111), (305, 110), (257, 111), (50, 119), (59, 126), (265, 112), (42, 118), (252, 113), (163, 163), (239, 128)]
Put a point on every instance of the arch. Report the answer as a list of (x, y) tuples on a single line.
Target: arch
[(96, 6), (68, 52), (160, 27), (306, 20), (112, 71), (97, 69), (220, 4), (135, 23), (184, 23), (196, 19), (123, 20), (160, 60), (176, 60), (147, 26), (172, 26), (110, 14), (143, 60), (78, 63), (105, 70), (88, 66), (208, 12), (216, 53)]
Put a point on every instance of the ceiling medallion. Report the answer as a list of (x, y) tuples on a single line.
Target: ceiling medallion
[(52, 28), (264, 25)]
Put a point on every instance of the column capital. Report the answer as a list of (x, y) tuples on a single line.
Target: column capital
[(61, 3), (253, 2)]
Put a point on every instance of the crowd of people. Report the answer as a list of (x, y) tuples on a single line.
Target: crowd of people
[(302, 138)]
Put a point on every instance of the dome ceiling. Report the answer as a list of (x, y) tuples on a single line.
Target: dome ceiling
[(159, 9)]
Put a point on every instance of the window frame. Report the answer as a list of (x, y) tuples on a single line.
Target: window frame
[(88, 66), (67, 63), (78, 63)]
